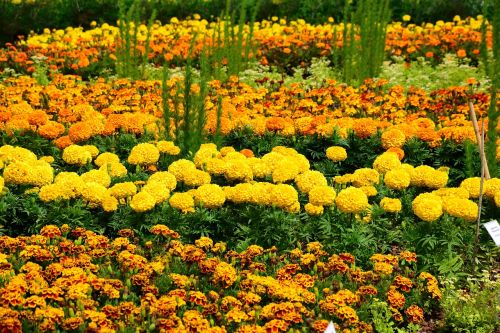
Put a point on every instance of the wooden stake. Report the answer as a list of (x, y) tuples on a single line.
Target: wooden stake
[(480, 141)]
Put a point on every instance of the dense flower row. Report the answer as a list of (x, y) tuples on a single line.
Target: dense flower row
[(73, 280), (68, 111), (214, 178), (279, 42)]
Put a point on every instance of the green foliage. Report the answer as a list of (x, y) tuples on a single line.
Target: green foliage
[(492, 66), (382, 320), (363, 38), (423, 74), (473, 308), (131, 62), (188, 116), (230, 48)]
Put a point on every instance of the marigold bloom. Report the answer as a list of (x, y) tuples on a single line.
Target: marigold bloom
[(142, 202), (428, 207), (182, 201), (391, 205), (313, 210), (322, 195), (351, 200), (336, 153), (386, 161), (144, 154), (393, 138), (210, 196), (76, 155)]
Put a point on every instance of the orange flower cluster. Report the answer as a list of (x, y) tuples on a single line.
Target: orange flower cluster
[(69, 111), (64, 279), (278, 42)]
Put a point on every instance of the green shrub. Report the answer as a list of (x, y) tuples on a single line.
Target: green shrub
[(474, 308)]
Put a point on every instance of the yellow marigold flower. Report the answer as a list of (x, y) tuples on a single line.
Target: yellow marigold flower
[(351, 200), (53, 192), (234, 155), (285, 170), (225, 274), (215, 166), (37, 173), (238, 170), (386, 161), (260, 169), (370, 190), (307, 180), (428, 207), (48, 159), (195, 178), (165, 178), (226, 150), (204, 242), (393, 138), (157, 190), (344, 179), (10, 154), (461, 208), (421, 174), (437, 179), (180, 167), (406, 18), (283, 195), (383, 268), (142, 202), (123, 190), (96, 176), (260, 193), (71, 181), (109, 204), (491, 187), (294, 208), (391, 205), (92, 150), (497, 199), (322, 195), (94, 193), (168, 147), (365, 177), (472, 185), (210, 196), (397, 179), (182, 201), (302, 162), (313, 210), (336, 153), (115, 170), (144, 154), (76, 155), (205, 153), (453, 192), (106, 158), (2, 183)]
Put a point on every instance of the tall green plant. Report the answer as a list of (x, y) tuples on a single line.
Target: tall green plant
[(364, 39), (188, 114), (492, 69), (131, 62), (231, 48)]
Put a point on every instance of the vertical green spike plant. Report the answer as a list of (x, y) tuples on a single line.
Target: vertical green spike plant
[(130, 61)]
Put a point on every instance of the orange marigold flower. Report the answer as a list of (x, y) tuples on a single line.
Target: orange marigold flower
[(63, 142)]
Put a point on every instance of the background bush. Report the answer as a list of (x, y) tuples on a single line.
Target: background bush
[(27, 15)]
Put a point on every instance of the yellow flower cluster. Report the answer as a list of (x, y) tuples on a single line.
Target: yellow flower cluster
[(336, 154), (428, 207), (248, 182)]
